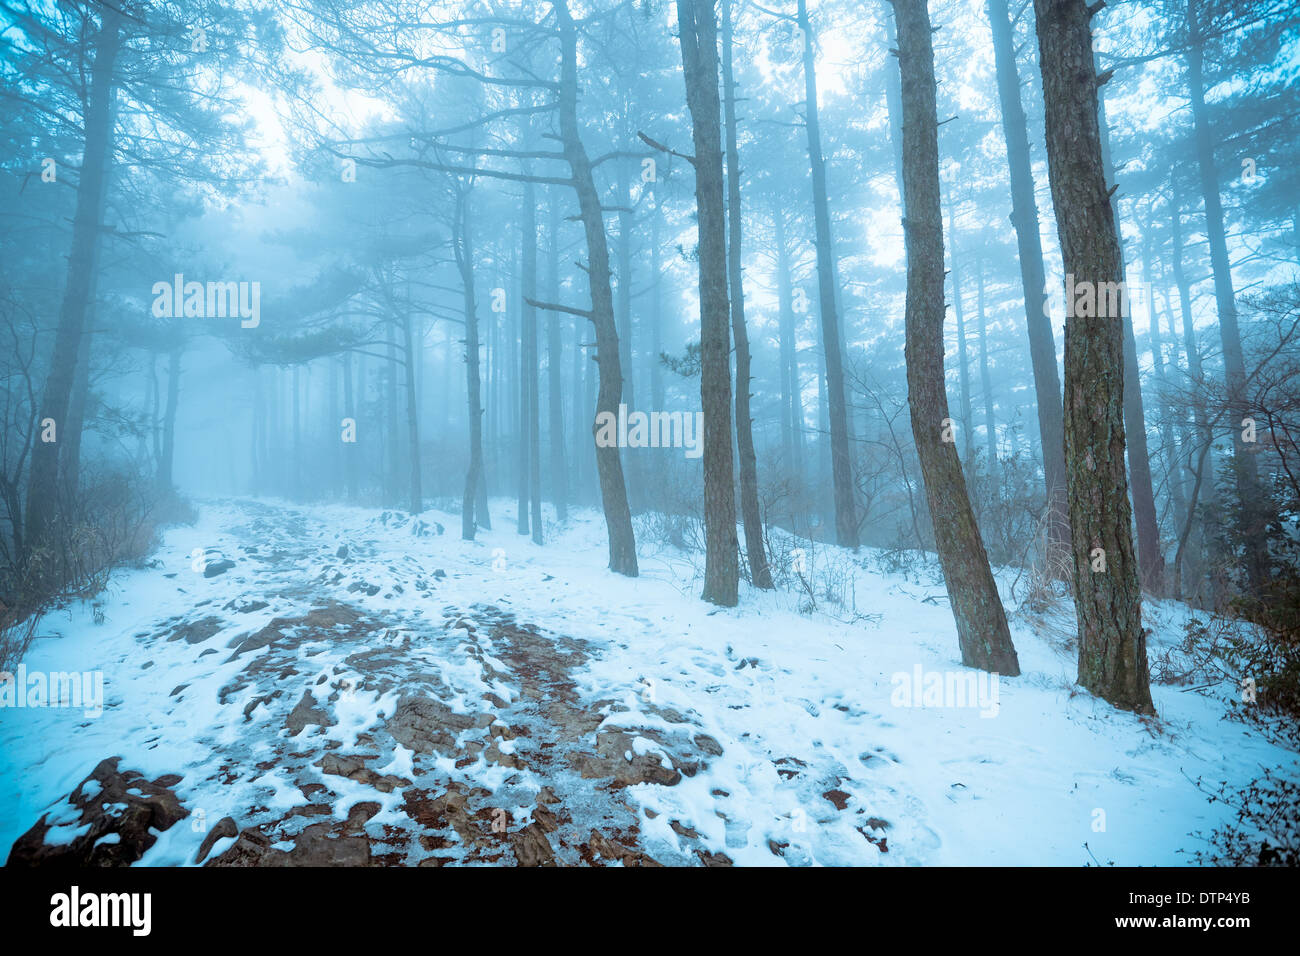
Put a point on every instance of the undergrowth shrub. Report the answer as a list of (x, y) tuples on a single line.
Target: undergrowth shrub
[(112, 521)]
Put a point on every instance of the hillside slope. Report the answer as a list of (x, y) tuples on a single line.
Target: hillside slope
[(357, 686)]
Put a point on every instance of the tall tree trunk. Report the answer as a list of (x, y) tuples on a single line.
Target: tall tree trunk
[(70, 459), (986, 381), (1204, 491), (69, 467), (894, 106), (332, 423), (393, 483), (786, 335), (530, 425), (699, 40), (963, 370), (555, 369), (751, 517), (1250, 493), (846, 521), (613, 490), (656, 310), (624, 306), (1164, 414), (349, 448), (1112, 644), (256, 449), (489, 335), (580, 445), (520, 367), (1151, 560), (297, 424), (1042, 346), (43, 478), (464, 249), (512, 322), (412, 415), (169, 420), (274, 467), (155, 439), (654, 365), (982, 628), (792, 416)]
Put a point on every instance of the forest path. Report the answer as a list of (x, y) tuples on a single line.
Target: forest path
[(345, 701), (308, 684)]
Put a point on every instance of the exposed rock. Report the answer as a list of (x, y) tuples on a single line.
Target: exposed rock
[(358, 815), (545, 819), (427, 725), (610, 760), (531, 846), (122, 803), (314, 846), (708, 745), (304, 713), (328, 617), (226, 827), (218, 567), (837, 797), (600, 847), (714, 859), (354, 768), (251, 848), (196, 632)]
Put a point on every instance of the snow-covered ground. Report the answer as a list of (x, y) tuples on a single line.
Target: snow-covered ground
[(351, 656)]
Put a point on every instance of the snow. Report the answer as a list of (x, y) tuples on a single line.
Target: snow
[(822, 762)]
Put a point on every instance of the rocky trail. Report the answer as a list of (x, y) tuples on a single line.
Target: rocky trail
[(316, 684), (346, 736)]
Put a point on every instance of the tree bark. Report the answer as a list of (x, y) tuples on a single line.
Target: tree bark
[(169, 420), (43, 477), (786, 332), (349, 448), (623, 303), (1151, 560), (700, 65), (464, 249), (412, 416), (530, 425), (846, 521), (986, 381), (70, 459), (963, 368), (1112, 644), (1042, 345), (1164, 413), (1250, 493), (751, 517), (331, 423), (609, 468), (1203, 491), (554, 371), (656, 310), (982, 630), (519, 366), (297, 420)]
